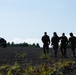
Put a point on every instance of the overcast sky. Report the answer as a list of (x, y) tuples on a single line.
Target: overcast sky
[(27, 20)]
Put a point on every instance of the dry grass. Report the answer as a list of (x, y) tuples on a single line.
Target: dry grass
[(32, 61)]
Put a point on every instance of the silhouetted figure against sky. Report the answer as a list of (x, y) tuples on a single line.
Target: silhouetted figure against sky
[(46, 42), (54, 42), (64, 43), (72, 41)]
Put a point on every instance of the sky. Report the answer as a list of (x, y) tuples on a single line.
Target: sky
[(27, 20)]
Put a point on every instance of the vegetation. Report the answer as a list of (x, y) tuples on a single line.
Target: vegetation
[(32, 61), (57, 68), (23, 45)]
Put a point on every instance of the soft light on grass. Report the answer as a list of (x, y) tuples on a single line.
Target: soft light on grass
[(13, 69), (20, 55), (43, 56), (57, 68)]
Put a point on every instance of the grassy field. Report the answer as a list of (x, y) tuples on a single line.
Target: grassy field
[(32, 61)]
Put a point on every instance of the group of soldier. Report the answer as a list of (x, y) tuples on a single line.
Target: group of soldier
[(55, 40)]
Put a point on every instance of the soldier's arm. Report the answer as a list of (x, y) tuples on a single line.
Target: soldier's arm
[(75, 39), (67, 40), (49, 39), (52, 41), (42, 39)]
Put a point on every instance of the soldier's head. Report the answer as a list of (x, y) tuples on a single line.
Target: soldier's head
[(63, 34), (45, 33), (71, 34), (55, 34)]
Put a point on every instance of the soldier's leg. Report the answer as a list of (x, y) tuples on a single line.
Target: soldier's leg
[(73, 52), (55, 51), (44, 49), (65, 52), (47, 47), (62, 52), (73, 49)]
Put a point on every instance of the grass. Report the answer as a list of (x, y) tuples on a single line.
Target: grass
[(57, 68), (42, 64)]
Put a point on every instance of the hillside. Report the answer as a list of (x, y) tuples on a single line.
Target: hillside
[(28, 54)]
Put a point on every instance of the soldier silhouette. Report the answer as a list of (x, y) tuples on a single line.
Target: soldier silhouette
[(54, 42), (72, 41), (64, 43), (46, 41)]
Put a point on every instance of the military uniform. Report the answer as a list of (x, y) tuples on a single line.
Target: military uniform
[(72, 41), (64, 42), (46, 41), (55, 41)]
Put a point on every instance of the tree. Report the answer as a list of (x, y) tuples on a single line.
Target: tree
[(8, 44), (12, 44), (37, 45)]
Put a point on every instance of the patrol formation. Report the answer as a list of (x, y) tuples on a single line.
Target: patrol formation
[(56, 40)]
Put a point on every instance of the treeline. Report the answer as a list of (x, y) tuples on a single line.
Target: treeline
[(23, 44)]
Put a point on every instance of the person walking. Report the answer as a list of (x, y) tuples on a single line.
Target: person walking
[(54, 42), (72, 41), (64, 43), (46, 42)]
